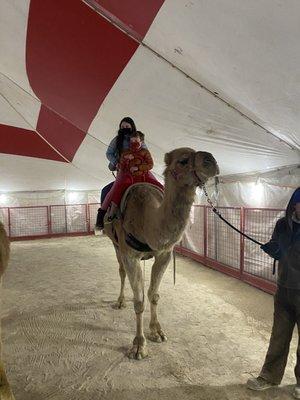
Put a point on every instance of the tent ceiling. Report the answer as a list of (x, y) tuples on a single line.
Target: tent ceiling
[(213, 75)]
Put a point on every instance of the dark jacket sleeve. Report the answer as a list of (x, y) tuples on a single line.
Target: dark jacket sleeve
[(272, 247)]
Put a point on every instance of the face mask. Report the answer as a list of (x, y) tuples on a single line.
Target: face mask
[(294, 218), (125, 131)]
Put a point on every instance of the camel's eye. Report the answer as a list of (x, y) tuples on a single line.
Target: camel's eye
[(184, 161)]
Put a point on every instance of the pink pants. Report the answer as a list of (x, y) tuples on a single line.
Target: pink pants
[(122, 182)]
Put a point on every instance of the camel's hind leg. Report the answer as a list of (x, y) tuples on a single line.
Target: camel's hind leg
[(5, 392), (158, 270), (135, 276), (121, 300)]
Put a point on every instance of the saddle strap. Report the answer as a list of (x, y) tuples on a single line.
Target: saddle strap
[(136, 244)]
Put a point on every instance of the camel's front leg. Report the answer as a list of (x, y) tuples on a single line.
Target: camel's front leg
[(158, 269), (121, 300), (135, 276)]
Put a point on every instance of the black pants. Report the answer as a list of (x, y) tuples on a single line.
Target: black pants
[(286, 315)]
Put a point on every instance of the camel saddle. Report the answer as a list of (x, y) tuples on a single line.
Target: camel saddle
[(130, 239)]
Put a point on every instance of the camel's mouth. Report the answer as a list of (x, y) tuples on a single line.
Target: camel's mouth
[(200, 181)]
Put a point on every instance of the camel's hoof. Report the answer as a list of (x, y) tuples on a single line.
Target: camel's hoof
[(139, 348), (121, 303), (138, 353), (158, 337)]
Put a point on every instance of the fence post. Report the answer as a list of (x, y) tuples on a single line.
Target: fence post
[(49, 220), (242, 241), (66, 218), (87, 216), (9, 222)]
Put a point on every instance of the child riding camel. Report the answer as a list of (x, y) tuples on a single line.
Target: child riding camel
[(134, 166)]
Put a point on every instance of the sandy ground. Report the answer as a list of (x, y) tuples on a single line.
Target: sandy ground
[(64, 340)]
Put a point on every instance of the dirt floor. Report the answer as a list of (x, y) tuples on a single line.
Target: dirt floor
[(63, 339)]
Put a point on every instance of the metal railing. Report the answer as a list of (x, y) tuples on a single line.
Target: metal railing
[(210, 241), (207, 239), (48, 221)]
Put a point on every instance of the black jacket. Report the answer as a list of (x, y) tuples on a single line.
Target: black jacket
[(285, 247)]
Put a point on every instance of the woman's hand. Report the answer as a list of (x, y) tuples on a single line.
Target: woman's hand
[(272, 249)]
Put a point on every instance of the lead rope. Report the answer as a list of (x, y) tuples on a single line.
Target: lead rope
[(233, 227), (217, 212)]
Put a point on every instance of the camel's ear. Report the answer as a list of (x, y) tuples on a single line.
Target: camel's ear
[(168, 158)]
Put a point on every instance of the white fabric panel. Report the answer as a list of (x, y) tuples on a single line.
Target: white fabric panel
[(24, 199), (28, 173), (13, 28), (27, 106), (94, 196), (193, 238), (173, 111), (246, 51), (91, 158), (268, 190), (47, 198), (8, 116)]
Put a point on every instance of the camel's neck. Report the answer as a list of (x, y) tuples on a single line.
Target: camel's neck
[(174, 212)]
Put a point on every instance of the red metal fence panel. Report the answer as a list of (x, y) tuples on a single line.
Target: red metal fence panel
[(207, 239), (4, 218), (58, 219), (46, 221), (92, 214), (28, 221), (229, 252)]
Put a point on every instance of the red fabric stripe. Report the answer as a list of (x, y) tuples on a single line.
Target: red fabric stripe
[(64, 136), (23, 142), (74, 57)]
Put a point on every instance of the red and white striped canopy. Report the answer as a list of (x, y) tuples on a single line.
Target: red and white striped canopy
[(220, 76)]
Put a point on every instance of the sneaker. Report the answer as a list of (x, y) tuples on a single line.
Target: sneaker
[(296, 392), (97, 231), (259, 383)]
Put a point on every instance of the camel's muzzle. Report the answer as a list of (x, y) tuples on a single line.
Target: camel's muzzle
[(204, 166)]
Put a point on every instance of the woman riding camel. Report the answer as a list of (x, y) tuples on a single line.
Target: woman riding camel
[(120, 143)]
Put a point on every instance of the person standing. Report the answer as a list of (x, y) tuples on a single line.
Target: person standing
[(284, 246)]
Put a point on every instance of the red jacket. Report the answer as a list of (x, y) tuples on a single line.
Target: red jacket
[(136, 162)]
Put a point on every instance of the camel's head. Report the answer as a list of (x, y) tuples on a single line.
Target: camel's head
[(189, 167)]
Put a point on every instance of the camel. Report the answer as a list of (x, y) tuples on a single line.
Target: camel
[(5, 391), (157, 220)]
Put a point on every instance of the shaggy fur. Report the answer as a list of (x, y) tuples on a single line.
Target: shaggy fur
[(158, 220), (5, 392)]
